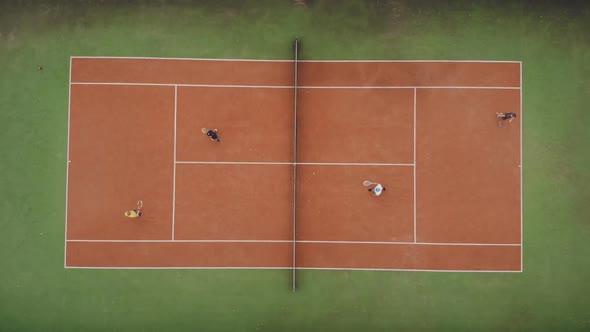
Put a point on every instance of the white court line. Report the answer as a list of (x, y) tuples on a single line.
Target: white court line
[(307, 241), (174, 171), (416, 243), (417, 61), (409, 87), (280, 60), (521, 192), (184, 241), (176, 268), (299, 87), (121, 83), (295, 83), (407, 270), (281, 268), (67, 164), (180, 59), (415, 238), (188, 85), (287, 163), (234, 162), (311, 87)]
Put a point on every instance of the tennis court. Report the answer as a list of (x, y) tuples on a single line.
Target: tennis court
[(285, 188)]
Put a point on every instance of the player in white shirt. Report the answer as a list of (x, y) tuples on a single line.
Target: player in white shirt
[(378, 190)]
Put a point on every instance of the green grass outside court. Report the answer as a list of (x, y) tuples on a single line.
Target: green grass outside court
[(38, 294)]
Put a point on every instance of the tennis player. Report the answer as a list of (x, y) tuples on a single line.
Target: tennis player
[(212, 133), (378, 190), (135, 213), (505, 116)]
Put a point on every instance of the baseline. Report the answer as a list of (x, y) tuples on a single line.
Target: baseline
[(521, 179), (68, 163), (281, 60)]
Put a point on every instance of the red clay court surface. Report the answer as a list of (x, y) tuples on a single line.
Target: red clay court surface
[(426, 130)]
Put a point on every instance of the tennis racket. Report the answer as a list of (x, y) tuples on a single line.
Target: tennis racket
[(368, 183), (204, 130), (139, 204)]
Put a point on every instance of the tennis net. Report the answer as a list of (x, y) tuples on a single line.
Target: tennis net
[(296, 72)]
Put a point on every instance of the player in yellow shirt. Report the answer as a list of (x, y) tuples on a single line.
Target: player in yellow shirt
[(135, 213)]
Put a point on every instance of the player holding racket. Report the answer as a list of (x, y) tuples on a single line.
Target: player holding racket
[(378, 190), (135, 213), (212, 133), (505, 116)]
